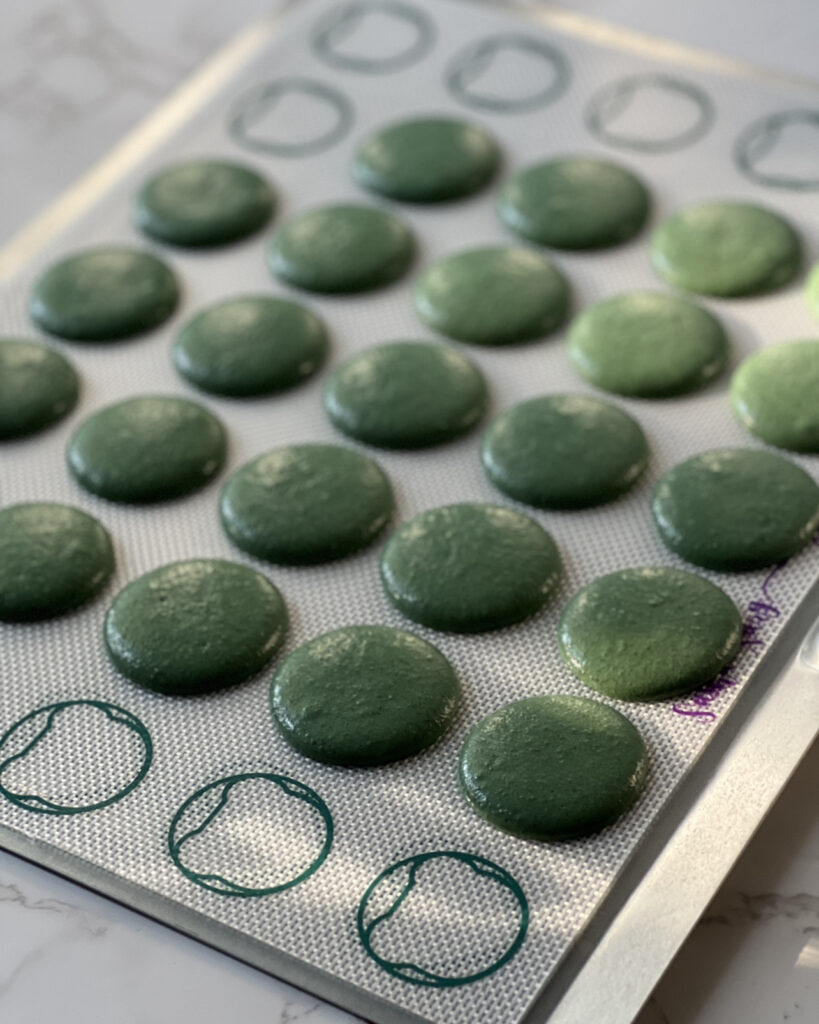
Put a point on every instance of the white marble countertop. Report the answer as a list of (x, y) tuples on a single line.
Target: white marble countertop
[(75, 75)]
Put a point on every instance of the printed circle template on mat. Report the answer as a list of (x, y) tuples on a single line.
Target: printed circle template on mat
[(427, 160), (203, 203), (37, 387), (649, 634), (726, 249), (364, 695), (52, 558), (406, 394), (104, 295), (775, 394), (342, 248), (306, 503), (194, 627), (470, 568), (574, 203), (252, 345), (647, 345), (776, 150), (373, 36), (498, 296), (146, 449), (554, 767), (564, 451), (736, 509)]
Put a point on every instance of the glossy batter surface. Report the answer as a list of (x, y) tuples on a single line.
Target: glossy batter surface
[(37, 387)]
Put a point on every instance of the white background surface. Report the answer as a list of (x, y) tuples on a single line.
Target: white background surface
[(74, 76)]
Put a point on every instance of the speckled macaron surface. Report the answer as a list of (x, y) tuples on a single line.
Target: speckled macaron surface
[(364, 695), (342, 248), (470, 568), (195, 626), (146, 449), (564, 451), (53, 558), (649, 634), (736, 509), (553, 767), (104, 295), (775, 394), (726, 249), (497, 296), (427, 160), (406, 394), (574, 203), (203, 203), (37, 387), (306, 503), (647, 345), (249, 346)]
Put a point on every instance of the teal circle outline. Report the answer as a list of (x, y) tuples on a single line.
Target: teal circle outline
[(477, 53), (334, 19), (762, 134), (267, 95), (482, 866), (304, 792), (623, 88), (134, 723)]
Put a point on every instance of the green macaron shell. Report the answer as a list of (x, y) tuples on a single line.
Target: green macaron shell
[(364, 695), (553, 767), (564, 451), (306, 504), (497, 296), (195, 626), (53, 558), (104, 295), (574, 203), (726, 249), (775, 394), (470, 568), (342, 248), (649, 634), (406, 394), (253, 345), (37, 387), (146, 449), (647, 345), (426, 160), (736, 509), (203, 203)]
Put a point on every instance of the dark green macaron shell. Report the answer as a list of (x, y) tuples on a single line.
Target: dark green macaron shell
[(38, 387)]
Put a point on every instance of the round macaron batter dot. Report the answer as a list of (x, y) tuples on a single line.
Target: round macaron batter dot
[(203, 203), (342, 248), (726, 249), (427, 160), (364, 695), (249, 346), (470, 568), (564, 451), (37, 387), (195, 626), (775, 395), (736, 509), (406, 394), (649, 634), (104, 295), (146, 449), (496, 296), (306, 504), (553, 767), (647, 345), (574, 203), (53, 558)]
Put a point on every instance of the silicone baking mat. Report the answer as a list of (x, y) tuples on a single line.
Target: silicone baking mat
[(383, 879)]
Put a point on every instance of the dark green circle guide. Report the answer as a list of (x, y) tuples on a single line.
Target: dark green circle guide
[(413, 973), (337, 24)]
